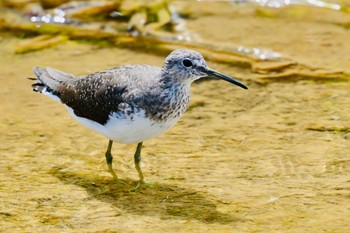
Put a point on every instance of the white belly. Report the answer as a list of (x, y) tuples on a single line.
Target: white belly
[(127, 130)]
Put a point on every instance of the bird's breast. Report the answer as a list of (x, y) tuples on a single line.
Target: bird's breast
[(135, 128), (128, 128)]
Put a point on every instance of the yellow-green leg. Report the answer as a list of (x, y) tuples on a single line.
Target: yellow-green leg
[(109, 159), (137, 159)]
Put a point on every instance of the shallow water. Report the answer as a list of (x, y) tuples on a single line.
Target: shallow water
[(274, 158)]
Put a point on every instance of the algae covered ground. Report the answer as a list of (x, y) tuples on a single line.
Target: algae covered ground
[(275, 158)]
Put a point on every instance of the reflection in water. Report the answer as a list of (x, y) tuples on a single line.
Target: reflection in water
[(262, 54), (283, 3), (59, 17)]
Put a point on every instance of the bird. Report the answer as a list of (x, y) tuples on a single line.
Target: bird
[(131, 103)]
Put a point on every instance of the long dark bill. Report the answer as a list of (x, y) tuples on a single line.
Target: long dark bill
[(211, 72)]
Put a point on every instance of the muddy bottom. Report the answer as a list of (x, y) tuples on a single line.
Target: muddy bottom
[(275, 158)]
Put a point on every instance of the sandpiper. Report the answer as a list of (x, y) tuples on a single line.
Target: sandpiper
[(131, 103)]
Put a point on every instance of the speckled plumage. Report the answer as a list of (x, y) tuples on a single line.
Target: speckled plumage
[(130, 103)]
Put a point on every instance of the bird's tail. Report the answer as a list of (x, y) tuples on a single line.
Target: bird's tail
[(49, 80)]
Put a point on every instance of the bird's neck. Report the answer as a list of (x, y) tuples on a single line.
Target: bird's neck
[(170, 103), (177, 94)]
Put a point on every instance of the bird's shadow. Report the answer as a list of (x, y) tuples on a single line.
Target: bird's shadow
[(163, 200)]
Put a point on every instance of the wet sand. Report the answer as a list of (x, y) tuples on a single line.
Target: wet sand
[(275, 158)]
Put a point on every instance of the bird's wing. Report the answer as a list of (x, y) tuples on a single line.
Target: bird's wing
[(97, 95), (93, 97)]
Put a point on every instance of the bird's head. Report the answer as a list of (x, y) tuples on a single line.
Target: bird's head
[(184, 65)]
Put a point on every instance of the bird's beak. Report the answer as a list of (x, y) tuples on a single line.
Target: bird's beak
[(211, 72)]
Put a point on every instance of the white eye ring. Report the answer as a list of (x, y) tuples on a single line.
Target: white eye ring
[(187, 63)]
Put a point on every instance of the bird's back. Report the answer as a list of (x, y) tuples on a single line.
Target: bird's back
[(96, 95)]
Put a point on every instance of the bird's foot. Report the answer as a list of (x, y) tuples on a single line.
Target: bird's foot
[(143, 183), (115, 177), (136, 188)]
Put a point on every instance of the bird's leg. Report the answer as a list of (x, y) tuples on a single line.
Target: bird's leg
[(137, 159), (109, 159)]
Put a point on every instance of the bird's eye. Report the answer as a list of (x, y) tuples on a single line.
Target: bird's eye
[(187, 63)]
